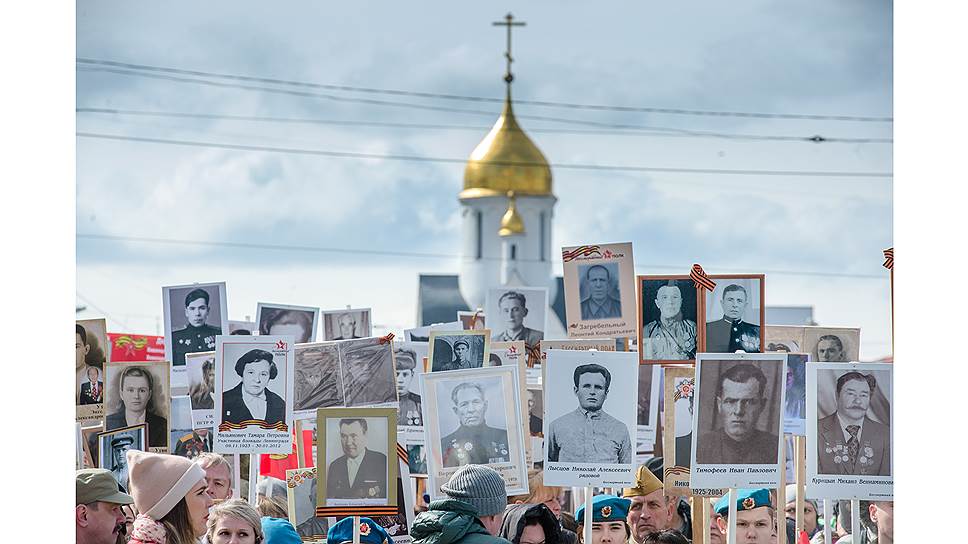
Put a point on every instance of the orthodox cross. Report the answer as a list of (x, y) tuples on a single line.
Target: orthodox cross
[(508, 22)]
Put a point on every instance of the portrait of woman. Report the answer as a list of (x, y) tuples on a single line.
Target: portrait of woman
[(298, 323), (138, 406), (251, 399)]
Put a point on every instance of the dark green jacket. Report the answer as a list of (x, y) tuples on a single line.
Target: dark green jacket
[(451, 521)]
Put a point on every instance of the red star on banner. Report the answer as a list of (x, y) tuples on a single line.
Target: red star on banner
[(280, 345)]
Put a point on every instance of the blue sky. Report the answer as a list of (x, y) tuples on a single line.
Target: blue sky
[(822, 57)]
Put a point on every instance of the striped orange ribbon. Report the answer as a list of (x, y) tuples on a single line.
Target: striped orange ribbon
[(262, 424), (581, 251), (700, 279), (138, 342), (889, 258)]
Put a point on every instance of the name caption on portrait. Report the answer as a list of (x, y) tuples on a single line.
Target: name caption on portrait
[(255, 442)]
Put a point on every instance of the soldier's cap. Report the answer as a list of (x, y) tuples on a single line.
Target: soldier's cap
[(746, 499), (405, 359), (605, 508), (645, 483), (466, 344), (97, 484), (370, 532), (123, 440)]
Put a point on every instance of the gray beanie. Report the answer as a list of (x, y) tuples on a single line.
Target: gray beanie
[(479, 486)]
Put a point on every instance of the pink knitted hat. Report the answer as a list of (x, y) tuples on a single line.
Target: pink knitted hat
[(158, 481)]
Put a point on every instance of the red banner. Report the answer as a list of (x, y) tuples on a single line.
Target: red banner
[(136, 347)]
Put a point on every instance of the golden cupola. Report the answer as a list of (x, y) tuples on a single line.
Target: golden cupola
[(511, 222), (506, 160)]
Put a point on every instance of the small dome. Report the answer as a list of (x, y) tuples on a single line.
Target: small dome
[(511, 223), (506, 160)]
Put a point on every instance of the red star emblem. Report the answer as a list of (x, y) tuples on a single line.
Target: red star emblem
[(364, 529), (512, 349), (280, 345)]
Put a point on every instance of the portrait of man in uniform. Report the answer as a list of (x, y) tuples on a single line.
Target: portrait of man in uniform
[(197, 334), (849, 441), (588, 434), (731, 332), (457, 350), (602, 288), (669, 334), (410, 406), (252, 399), (113, 448), (360, 473), (193, 444), (740, 393), (474, 441), (512, 308)]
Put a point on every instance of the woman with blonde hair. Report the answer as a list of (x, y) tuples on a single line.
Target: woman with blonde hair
[(234, 521)]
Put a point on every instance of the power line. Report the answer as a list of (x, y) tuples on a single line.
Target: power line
[(445, 96), (418, 158), (412, 254), (661, 131), (104, 313)]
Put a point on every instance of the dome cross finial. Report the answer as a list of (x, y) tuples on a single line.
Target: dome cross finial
[(509, 22)]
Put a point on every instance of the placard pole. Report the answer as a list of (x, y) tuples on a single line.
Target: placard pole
[(827, 515), (855, 526), (700, 520), (254, 459), (731, 526), (356, 529), (781, 496), (800, 466), (587, 529), (300, 454)]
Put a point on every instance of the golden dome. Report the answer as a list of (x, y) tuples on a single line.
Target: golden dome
[(511, 223), (488, 172)]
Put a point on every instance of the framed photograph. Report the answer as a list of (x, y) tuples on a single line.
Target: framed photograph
[(738, 420), (417, 459), (367, 370), (590, 385), (459, 349), (319, 383), (473, 416), (850, 409), (347, 324), (518, 313), (647, 413), (823, 344), (354, 447), (513, 353), (735, 311), (599, 282), (398, 525), (669, 311), (471, 321), (262, 368), (91, 351), (141, 390), (679, 385), (89, 444), (187, 440), (113, 446), (795, 406), (283, 319), (200, 368), (301, 490), (194, 315)]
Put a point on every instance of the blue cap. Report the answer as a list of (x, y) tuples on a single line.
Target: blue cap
[(279, 531), (605, 508), (370, 532), (746, 499)]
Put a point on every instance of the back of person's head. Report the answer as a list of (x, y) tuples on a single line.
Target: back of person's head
[(519, 516), (272, 507), (279, 531), (481, 487), (238, 509), (666, 536)]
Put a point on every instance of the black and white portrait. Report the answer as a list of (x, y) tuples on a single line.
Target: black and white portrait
[(408, 363), (456, 350), (734, 314), (347, 324), (113, 447), (830, 345), (318, 382), (91, 349), (200, 368), (417, 459), (535, 411), (247, 328), (517, 314), (301, 493), (367, 371), (669, 312), (138, 393), (795, 405), (599, 290), (356, 446), (194, 316), (282, 319), (588, 417), (849, 418), (253, 388)]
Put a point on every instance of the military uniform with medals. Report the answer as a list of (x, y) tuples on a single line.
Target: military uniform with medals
[(728, 336), (191, 445), (410, 414), (192, 340), (475, 445)]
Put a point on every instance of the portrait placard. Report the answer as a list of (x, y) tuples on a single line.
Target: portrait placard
[(422, 334), (575, 344), (200, 368), (250, 328), (823, 344), (194, 315), (408, 360), (738, 420), (850, 411), (254, 385), (355, 445), (795, 406), (518, 313), (459, 349), (347, 324), (589, 421), (186, 440), (473, 416), (367, 372), (513, 353), (599, 283), (398, 525), (301, 496), (679, 384), (319, 383), (300, 322), (471, 321), (91, 351), (669, 312), (734, 312), (647, 413), (140, 390), (113, 446)]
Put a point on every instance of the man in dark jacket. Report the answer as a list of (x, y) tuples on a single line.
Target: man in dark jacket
[(471, 513)]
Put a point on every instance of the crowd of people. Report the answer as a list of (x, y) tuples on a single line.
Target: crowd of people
[(174, 500)]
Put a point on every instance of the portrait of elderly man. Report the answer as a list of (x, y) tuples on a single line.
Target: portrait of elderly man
[(278, 321), (849, 441), (830, 348), (671, 337), (251, 399), (197, 335), (588, 434), (360, 473), (740, 399), (474, 441), (512, 309), (600, 304), (202, 394), (136, 391), (92, 391), (347, 327), (410, 405), (730, 333)]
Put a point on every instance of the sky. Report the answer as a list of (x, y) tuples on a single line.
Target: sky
[(818, 238)]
